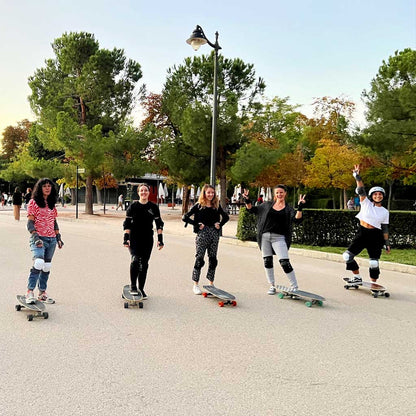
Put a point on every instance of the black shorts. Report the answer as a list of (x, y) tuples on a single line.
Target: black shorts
[(370, 238)]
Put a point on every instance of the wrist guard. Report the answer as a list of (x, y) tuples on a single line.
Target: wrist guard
[(300, 206), (357, 176), (126, 239), (247, 201), (59, 240), (36, 240), (160, 239), (387, 243)]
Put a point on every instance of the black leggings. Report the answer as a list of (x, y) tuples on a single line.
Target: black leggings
[(140, 252)]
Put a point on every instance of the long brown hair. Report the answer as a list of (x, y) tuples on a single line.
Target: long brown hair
[(203, 200)]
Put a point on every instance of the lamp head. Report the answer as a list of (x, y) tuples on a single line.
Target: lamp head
[(197, 38)]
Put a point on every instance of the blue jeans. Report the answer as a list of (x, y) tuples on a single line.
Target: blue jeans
[(45, 253)]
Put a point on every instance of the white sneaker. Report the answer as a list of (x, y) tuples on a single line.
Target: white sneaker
[(271, 291), (30, 297), (197, 290)]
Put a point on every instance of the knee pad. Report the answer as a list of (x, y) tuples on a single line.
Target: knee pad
[(199, 263), (39, 264), (349, 260), (286, 266), (213, 262), (47, 267), (373, 263), (137, 262), (374, 268), (268, 262), (348, 256)]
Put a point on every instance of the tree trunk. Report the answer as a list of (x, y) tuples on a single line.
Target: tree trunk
[(185, 199), (223, 177), (88, 196), (390, 183)]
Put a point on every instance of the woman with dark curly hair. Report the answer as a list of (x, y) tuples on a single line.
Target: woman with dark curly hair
[(44, 237)]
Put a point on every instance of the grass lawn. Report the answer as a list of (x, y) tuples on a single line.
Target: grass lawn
[(405, 256)]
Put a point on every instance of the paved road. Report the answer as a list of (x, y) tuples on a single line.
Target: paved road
[(182, 354)]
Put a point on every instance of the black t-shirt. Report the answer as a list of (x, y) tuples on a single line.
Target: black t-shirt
[(276, 222)]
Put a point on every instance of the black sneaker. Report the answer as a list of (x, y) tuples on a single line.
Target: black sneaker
[(133, 291), (355, 281), (144, 294)]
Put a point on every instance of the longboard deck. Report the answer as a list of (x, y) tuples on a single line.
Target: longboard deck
[(38, 308), (226, 298), (133, 300), (311, 298), (375, 289)]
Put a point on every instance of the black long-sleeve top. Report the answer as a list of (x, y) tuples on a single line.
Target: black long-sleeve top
[(140, 217), (208, 216)]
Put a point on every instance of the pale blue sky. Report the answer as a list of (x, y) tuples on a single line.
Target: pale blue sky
[(303, 49)]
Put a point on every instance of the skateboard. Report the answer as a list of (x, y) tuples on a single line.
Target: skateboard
[(375, 289), (132, 300), (225, 297), (38, 308), (310, 298)]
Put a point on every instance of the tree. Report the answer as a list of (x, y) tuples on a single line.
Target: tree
[(328, 170), (14, 137), (273, 129), (187, 109), (80, 97), (392, 112)]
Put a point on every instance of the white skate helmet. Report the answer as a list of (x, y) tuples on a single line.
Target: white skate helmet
[(376, 189)]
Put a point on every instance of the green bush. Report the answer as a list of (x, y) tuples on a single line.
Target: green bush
[(246, 227), (335, 228)]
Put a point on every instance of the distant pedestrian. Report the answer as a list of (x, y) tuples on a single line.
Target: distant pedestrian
[(120, 202), (17, 203), (357, 202), (44, 237), (351, 204), (28, 196)]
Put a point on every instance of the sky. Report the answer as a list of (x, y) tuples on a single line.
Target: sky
[(302, 49)]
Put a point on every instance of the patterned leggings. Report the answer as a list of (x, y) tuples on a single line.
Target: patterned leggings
[(206, 240)]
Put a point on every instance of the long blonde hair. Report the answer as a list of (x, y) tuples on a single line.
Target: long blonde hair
[(203, 200)]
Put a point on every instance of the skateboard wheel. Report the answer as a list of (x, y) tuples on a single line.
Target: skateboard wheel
[(205, 295), (221, 304), (126, 305), (308, 304), (375, 295), (141, 305), (234, 303), (45, 315), (30, 317), (280, 295), (18, 307), (387, 294), (320, 303), (346, 287)]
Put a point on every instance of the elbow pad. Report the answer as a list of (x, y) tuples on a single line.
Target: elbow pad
[(361, 191), (127, 223), (31, 226), (385, 228)]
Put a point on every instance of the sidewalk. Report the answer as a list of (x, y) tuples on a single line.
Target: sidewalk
[(172, 218)]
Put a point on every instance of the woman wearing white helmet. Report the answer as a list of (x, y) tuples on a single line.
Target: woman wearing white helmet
[(373, 233)]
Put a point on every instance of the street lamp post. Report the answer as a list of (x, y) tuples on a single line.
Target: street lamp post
[(197, 39)]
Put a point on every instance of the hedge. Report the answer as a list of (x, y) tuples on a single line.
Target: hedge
[(326, 227)]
